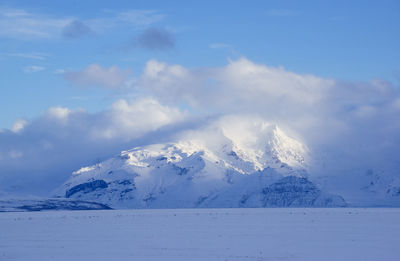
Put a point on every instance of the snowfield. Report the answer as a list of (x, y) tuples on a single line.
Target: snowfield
[(202, 234)]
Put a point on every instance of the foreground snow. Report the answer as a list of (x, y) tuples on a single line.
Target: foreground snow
[(202, 234)]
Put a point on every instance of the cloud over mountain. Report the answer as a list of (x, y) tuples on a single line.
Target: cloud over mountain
[(347, 126), (351, 118), (47, 149)]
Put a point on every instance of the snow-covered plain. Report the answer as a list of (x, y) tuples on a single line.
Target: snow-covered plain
[(202, 234)]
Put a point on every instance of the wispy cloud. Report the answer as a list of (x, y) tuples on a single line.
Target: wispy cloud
[(59, 71), (97, 76), (223, 46), (35, 56), (33, 69), (79, 98), (23, 24), (140, 17)]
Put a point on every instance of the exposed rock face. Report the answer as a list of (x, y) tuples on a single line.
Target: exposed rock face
[(86, 187), (298, 192), (18, 205)]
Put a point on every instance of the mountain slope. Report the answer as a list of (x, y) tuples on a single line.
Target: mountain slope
[(230, 163)]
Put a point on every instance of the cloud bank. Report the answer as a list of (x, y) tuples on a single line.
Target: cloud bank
[(35, 155), (347, 126)]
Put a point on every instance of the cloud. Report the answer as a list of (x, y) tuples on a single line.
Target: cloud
[(59, 71), (97, 76), (59, 113), (33, 69), (25, 25), (128, 120), (347, 126), (247, 84), (34, 56), (21, 24), (19, 125), (156, 39), (140, 17), (224, 46), (355, 121), (76, 29), (38, 155)]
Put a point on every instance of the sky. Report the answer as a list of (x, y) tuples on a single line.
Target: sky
[(97, 76), (347, 40)]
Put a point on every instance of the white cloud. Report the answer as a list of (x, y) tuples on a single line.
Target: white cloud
[(59, 113), (97, 76), (33, 69), (19, 125), (252, 82), (46, 150), (241, 85), (129, 120), (355, 119), (358, 123), (170, 83)]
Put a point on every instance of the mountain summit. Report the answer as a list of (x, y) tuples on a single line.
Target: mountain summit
[(233, 162)]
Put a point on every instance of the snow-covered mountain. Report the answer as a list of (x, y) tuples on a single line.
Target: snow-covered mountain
[(365, 187), (233, 162)]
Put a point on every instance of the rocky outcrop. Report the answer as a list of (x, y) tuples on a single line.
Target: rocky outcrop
[(298, 192), (19, 205)]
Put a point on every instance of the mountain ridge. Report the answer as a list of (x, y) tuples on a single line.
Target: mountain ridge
[(229, 164)]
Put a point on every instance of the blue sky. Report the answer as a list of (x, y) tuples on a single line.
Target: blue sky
[(345, 40)]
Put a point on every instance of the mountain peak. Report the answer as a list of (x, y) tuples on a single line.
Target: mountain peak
[(218, 165)]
